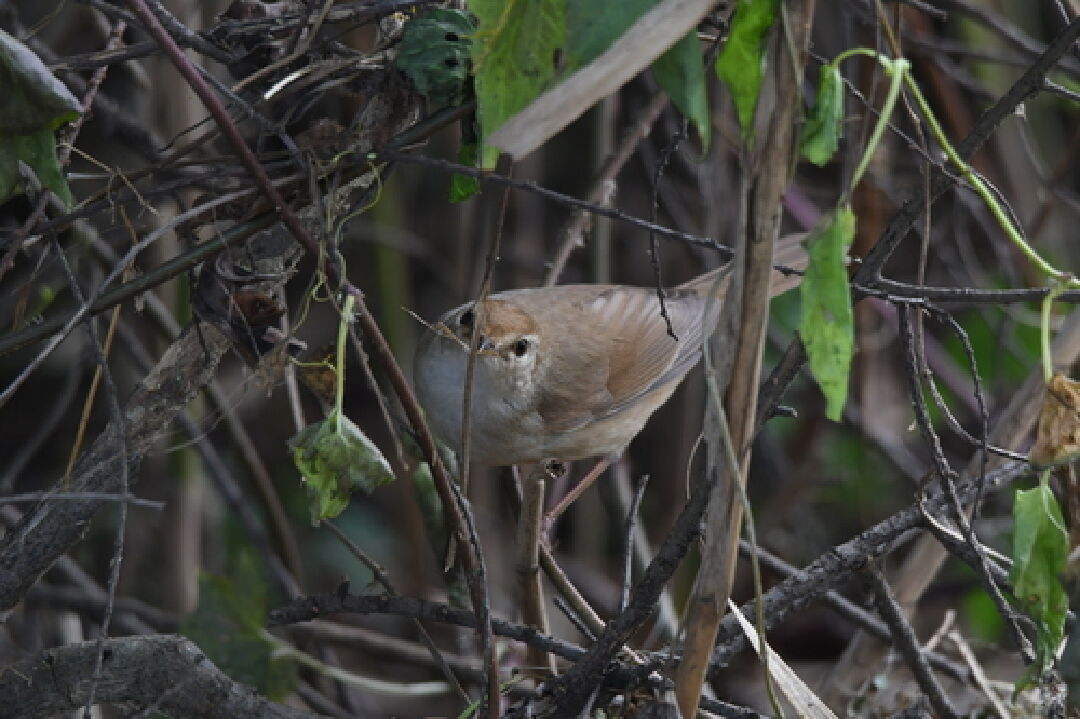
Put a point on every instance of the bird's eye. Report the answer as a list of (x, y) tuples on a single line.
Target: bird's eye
[(467, 318), (521, 347)]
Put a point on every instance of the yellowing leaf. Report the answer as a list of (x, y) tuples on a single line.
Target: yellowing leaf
[(335, 458)]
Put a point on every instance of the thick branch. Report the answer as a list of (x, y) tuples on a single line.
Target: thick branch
[(318, 606), (842, 563), (53, 527), (165, 673)]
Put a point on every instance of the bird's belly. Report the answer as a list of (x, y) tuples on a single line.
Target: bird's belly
[(503, 434), (611, 434)]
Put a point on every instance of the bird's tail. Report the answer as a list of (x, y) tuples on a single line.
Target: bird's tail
[(789, 262)]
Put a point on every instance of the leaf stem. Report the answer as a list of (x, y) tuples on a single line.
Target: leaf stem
[(339, 367), (283, 649), (1044, 330), (983, 191), (897, 70)]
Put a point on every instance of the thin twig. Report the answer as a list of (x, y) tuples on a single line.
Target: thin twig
[(383, 578), (601, 189), (27, 497), (945, 475), (907, 643), (116, 417), (628, 540)]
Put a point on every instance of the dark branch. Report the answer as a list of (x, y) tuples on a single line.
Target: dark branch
[(163, 672)]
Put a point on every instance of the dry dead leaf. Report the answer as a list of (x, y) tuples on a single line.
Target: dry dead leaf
[(319, 375), (1058, 438)]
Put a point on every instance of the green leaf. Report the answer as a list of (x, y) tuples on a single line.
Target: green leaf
[(1040, 545), (434, 54), (335, 458), (431, 509), (825, 324), (38, 150), (681, 72), (824, 128), (35, 104), (227, 626), (462, 187), (593, 25), (33, 97), (740, 63), (514, 58), (981, 614)]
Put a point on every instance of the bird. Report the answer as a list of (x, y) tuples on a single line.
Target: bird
[(569, 372)]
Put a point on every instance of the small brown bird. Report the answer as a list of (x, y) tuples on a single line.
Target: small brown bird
[(571, 371)]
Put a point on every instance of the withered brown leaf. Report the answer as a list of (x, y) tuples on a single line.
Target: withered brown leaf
[(319, 375), (1057, 440)]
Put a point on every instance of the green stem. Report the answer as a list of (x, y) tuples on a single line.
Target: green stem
[(371, 685), (1044, 328), (342, 334), (984, 192), (897, 70), (852, 52)]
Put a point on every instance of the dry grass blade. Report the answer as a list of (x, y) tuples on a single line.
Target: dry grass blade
[(805, 702)]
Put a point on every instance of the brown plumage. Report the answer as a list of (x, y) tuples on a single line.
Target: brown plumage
[(568, 372)]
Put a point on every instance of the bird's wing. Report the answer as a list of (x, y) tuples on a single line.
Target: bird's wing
[(623, 353)]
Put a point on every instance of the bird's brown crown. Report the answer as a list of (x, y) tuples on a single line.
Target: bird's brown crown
[(501, 318)]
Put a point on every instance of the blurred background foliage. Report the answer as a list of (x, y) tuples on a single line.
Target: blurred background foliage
[(814, 483)]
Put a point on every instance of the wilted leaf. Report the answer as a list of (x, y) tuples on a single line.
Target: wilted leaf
[(740, 63), (1057, 440), (319, 374), (823, 130), (227, 626), (825, 324), (335, 458), (1040, 544), (514, 54), (434, 54)]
